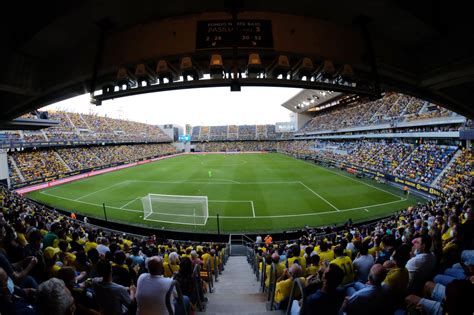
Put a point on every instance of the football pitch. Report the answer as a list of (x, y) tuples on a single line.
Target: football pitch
[(261, 192)]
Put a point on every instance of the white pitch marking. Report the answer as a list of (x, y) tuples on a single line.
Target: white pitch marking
[(366, 210), (128, 203), (97, 191), (239, 217), (321, 197), (355, 180)]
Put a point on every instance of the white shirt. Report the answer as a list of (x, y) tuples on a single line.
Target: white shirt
[(151, 294), (102, 249), (363, 264), (420, 269)]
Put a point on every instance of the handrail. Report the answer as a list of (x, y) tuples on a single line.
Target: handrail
[(296, 284), (272, 287), (257, 263), (216, 268), (263, 275), (174, 284), (198, 287)]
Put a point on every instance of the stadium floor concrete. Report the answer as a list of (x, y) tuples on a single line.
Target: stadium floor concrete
[(237, 291)]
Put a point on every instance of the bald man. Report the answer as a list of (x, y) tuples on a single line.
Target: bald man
[(372, 299), (152, 288)]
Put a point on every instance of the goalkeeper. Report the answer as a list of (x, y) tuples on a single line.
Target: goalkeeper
[(209, 173)]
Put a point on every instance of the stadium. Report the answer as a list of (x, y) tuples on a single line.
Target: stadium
[(360, 203)]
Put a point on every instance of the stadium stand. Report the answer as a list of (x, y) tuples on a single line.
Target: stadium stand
[(39, 164), (410, 264), (75, 127), (99, 271), (392, 108), (414, 259)]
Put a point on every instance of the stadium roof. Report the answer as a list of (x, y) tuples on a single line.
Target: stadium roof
[(49, 49)]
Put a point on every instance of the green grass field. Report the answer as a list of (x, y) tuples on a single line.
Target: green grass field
[(250, 192)]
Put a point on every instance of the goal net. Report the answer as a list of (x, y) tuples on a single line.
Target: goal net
[(190, 210)]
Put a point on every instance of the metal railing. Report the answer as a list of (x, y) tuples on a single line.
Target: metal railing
[(179, 298), (271, 288), (297, 285), (198, 291)]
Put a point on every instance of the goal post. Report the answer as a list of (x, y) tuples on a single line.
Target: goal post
[(189, 210)]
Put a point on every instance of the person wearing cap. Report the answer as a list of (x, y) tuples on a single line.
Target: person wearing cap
[(285, 283)]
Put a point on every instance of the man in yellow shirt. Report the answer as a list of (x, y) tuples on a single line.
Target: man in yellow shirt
[(283, 287), (345, 263), (325, 254)]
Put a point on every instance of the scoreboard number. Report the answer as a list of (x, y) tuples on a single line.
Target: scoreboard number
[(223, 34)]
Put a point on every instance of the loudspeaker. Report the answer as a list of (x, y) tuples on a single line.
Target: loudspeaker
[(43, 115)]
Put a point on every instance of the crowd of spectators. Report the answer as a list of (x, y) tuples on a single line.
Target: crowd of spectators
[(459, 172), (425, 163), (51, 264), (218, 133), (91, 127), (392, 108), (418, 261), (37, 164), (33, 136), (238, 132)]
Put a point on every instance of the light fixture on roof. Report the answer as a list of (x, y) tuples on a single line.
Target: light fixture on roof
[(279, 67), (216, 67), (303, 69), (165, 71), (144, 74), (189, 68), (124, 79), (254, 66)]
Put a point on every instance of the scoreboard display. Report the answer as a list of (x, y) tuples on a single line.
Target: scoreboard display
[(224, 34), (184, 138)]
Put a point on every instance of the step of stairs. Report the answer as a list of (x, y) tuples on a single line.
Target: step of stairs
[(237, 291)]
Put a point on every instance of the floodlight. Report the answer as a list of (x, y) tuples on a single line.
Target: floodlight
[(216, 67), (165, 71), (327, 71), (124, 79), (303, 69), (280, 66), (347, 73), (254, 66), (190, 68), (144, 74)]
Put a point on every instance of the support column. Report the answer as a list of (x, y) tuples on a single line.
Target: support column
[(4, 178)]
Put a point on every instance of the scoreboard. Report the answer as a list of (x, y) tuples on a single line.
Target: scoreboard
[(224, 34), (184, 138)]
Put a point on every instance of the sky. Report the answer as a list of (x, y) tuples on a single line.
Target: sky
[(206, 106)]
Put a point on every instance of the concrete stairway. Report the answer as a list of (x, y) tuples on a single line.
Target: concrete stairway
[(237, 291)]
